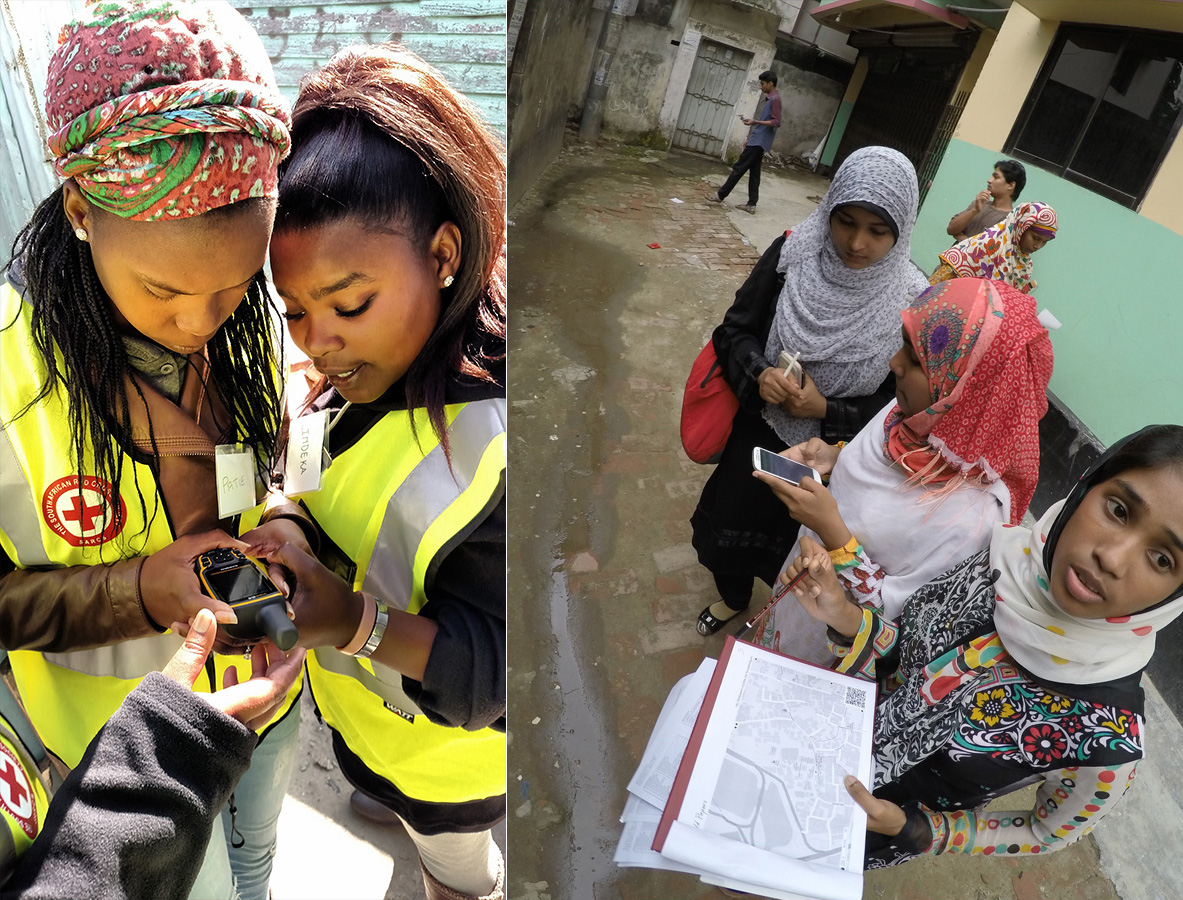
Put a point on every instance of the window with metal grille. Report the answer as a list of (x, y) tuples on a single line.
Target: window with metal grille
[(1104, 110)]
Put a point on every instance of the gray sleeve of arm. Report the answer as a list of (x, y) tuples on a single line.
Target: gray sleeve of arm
[(133, 819)]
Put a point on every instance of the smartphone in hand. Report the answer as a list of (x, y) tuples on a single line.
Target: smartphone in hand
[(788, 362), (785, 469)]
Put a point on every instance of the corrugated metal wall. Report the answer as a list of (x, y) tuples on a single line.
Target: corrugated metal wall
[(465, 39)]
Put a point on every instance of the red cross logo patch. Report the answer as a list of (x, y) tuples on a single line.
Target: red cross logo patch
[(83, 519), (16, 795)]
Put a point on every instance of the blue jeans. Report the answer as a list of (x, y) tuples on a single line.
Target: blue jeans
[(244, 873)]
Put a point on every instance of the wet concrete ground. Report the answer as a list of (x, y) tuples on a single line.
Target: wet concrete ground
[(604, 586)]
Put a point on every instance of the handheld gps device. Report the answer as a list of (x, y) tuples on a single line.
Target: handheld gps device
[(228, 575)]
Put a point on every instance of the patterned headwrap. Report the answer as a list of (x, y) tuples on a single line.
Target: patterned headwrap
[(165, 108), (988, 361), (995, 253)]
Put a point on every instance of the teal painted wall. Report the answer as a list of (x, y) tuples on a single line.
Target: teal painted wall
[(845, 108), (464, 39), (1113, 278), (943, 4)]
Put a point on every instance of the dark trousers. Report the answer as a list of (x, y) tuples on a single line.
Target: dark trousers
[(735, 590), (749, 161)]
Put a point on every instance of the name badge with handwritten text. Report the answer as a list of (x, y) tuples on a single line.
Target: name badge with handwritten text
[(234, 467), (303, 469)]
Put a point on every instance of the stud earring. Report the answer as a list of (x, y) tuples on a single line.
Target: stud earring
[(448, 281), (81, 234)]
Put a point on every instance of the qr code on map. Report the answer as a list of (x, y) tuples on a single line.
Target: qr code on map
[(856, 698)]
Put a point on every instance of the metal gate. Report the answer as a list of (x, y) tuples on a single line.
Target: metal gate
[(902, 101), (716, 83)]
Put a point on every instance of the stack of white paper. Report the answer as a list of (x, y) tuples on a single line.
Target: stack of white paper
[(746, 789)]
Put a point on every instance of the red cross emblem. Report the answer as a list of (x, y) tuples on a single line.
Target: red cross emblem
[(83, 518), (16, 796)]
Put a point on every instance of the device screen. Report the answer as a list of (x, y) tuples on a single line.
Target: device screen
[(242, 583), (789, 470)]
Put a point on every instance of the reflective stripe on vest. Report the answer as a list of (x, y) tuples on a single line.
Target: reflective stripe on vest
[(43, 521), (392, 519)]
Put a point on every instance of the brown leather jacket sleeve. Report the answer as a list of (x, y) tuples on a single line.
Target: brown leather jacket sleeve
[(72, 608)]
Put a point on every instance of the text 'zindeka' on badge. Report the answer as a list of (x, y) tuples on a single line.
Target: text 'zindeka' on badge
[(303, 467)]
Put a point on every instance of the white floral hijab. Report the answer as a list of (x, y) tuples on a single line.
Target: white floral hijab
[(1041, 637)]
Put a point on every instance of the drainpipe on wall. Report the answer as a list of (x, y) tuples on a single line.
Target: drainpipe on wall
[(593, 105)]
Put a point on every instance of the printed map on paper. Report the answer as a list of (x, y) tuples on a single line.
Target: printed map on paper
[(780, 787)]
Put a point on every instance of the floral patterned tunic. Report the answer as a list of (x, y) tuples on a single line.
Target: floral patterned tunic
[(958, 727)]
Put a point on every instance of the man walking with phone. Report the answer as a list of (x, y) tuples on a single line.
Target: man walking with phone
[(759, 142)]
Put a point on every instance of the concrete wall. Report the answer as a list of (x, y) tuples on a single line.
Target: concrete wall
[(653, 64), (641, 70), (548, 81), (809, 102)]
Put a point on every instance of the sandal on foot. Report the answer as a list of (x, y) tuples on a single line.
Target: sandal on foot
[(708, 624)]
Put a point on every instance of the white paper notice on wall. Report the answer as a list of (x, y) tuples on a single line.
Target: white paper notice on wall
[(234, 468), (303, 466), (1048, 321)]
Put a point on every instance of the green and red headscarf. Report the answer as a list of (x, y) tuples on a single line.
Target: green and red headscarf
[(164, 109), (988, 360)]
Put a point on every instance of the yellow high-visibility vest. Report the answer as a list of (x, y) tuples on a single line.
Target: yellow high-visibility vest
[(391, 506), (23, 798), (45, 523)]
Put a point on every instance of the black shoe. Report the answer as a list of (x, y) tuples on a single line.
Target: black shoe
[(708, 624)]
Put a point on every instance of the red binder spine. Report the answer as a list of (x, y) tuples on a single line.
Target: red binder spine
[(673, 806)]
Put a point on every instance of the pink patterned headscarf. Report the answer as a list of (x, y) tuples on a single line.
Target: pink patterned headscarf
[(988, 360), (165, 109)]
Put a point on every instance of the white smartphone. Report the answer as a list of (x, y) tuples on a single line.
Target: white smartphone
[(779, 467), (788, 362)]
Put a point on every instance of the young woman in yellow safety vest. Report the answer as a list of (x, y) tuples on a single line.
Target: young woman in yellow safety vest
[(135, 335), (389, 257)]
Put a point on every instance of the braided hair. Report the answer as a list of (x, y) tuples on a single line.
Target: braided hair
[(72, 316)]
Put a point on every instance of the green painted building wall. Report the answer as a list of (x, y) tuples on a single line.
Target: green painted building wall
[(464, 39), (1113, 278)]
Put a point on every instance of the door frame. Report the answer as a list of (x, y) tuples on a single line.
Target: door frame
[(695, 31)]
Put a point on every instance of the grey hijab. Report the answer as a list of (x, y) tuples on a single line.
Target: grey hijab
[(845, 322)]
